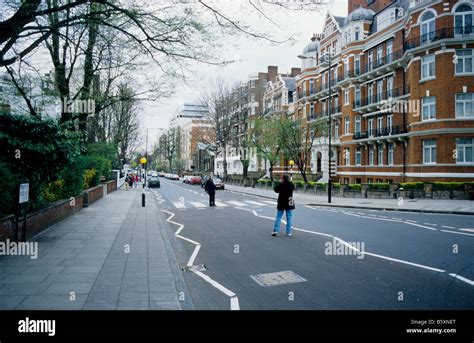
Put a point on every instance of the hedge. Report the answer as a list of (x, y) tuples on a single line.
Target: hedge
[(411, 185), (379, 186), (449, 186), (354, 187)]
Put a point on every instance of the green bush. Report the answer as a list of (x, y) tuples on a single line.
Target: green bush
[(379, 186), (10, 187), (411, 185), (336, 185), (448, 186), (354, 187), (299, 184)]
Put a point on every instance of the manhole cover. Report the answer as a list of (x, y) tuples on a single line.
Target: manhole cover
[(278, 278)]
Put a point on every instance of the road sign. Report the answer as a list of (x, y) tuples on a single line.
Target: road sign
[(24, 192)]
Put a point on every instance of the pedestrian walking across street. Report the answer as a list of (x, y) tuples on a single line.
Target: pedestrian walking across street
[(285, 203), (210, 189)]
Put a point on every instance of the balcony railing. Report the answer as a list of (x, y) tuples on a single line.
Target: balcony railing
[(384, 60), (374, 99), (447, 32), (382, 132)]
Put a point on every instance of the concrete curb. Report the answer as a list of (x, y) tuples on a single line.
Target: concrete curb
[(371, 208)]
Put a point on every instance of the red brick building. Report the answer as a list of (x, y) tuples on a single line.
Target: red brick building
[(397, 78)]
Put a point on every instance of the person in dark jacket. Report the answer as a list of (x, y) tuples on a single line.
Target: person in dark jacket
[(285, 203), (211, 190)]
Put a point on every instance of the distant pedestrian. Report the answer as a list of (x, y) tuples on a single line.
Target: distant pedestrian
[(127, 180), (210, 189), (130, 181), (285, 203)]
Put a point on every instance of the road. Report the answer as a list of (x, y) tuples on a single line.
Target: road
[(337, 259)]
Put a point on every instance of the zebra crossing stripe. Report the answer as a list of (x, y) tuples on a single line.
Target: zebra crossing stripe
[(269, 202), (236, 203), (256, 203), (198, 204), (220, 204)]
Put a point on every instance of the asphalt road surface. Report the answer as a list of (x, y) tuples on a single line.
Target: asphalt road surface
[(336, 259)]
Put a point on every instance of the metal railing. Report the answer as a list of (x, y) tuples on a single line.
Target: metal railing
[(384, 60), (374, 99), (446, 32), (381, 132)]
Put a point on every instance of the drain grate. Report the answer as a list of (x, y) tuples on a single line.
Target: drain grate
[(278, 278)]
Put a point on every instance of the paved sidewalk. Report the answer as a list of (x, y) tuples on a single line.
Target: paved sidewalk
[(411, 205), (113, 255)]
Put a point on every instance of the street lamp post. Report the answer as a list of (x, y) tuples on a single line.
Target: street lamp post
[(326, 59)]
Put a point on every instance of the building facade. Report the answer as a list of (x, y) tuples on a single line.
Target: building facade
[(397, 79)]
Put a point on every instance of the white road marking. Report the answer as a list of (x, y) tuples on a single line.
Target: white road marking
[(391, 220), (274, 202), (365, 253), (220, 204), (462, 278), (458, 233), (430, 224), (198, 204), (469, 230), (234, 300), (179, 204), (256, 203), (236, 203), (411, 221), (448, 227)]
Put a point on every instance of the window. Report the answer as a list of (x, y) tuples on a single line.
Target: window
[(390, 154), (380, 154), (379, 55), (324, 109), (357, 34), (371, 127), (357, 65), (389, 51), (380, 125), (464, 105), (336, 130), (357, 96), (311, 110), (379, 90), (346, 125), (385, 18), (427, 27), (389, 86), (465, 59), (358, 161), (429, 151), (371, 155), (390, 123), (370, 60), (347, 157), (253, 111), (346, 67), (346, 96), (252, 97), (336, 105), (464, 150), (428, 108), (463, 19), (428, 67), (311, 86), (357, 125), (252, 83), (370, 93)]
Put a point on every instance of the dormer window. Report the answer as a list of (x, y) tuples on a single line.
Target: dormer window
[(357, 33)]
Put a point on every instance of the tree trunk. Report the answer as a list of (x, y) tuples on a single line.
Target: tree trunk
[(245, 168), (224, 161), (270, 170)]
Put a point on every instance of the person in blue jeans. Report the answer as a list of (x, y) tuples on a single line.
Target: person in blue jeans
[(285, 203)]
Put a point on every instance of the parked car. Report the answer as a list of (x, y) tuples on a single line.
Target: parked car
[(174, 177), (195, 180), (154, 181), (219, 183)]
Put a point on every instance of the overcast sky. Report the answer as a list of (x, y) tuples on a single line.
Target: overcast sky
[(252, 56)]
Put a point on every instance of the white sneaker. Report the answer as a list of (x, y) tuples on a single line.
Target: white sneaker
[(274, 233), (289, 234)]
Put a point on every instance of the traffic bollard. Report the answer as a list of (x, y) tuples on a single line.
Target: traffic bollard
[(143, 199)]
